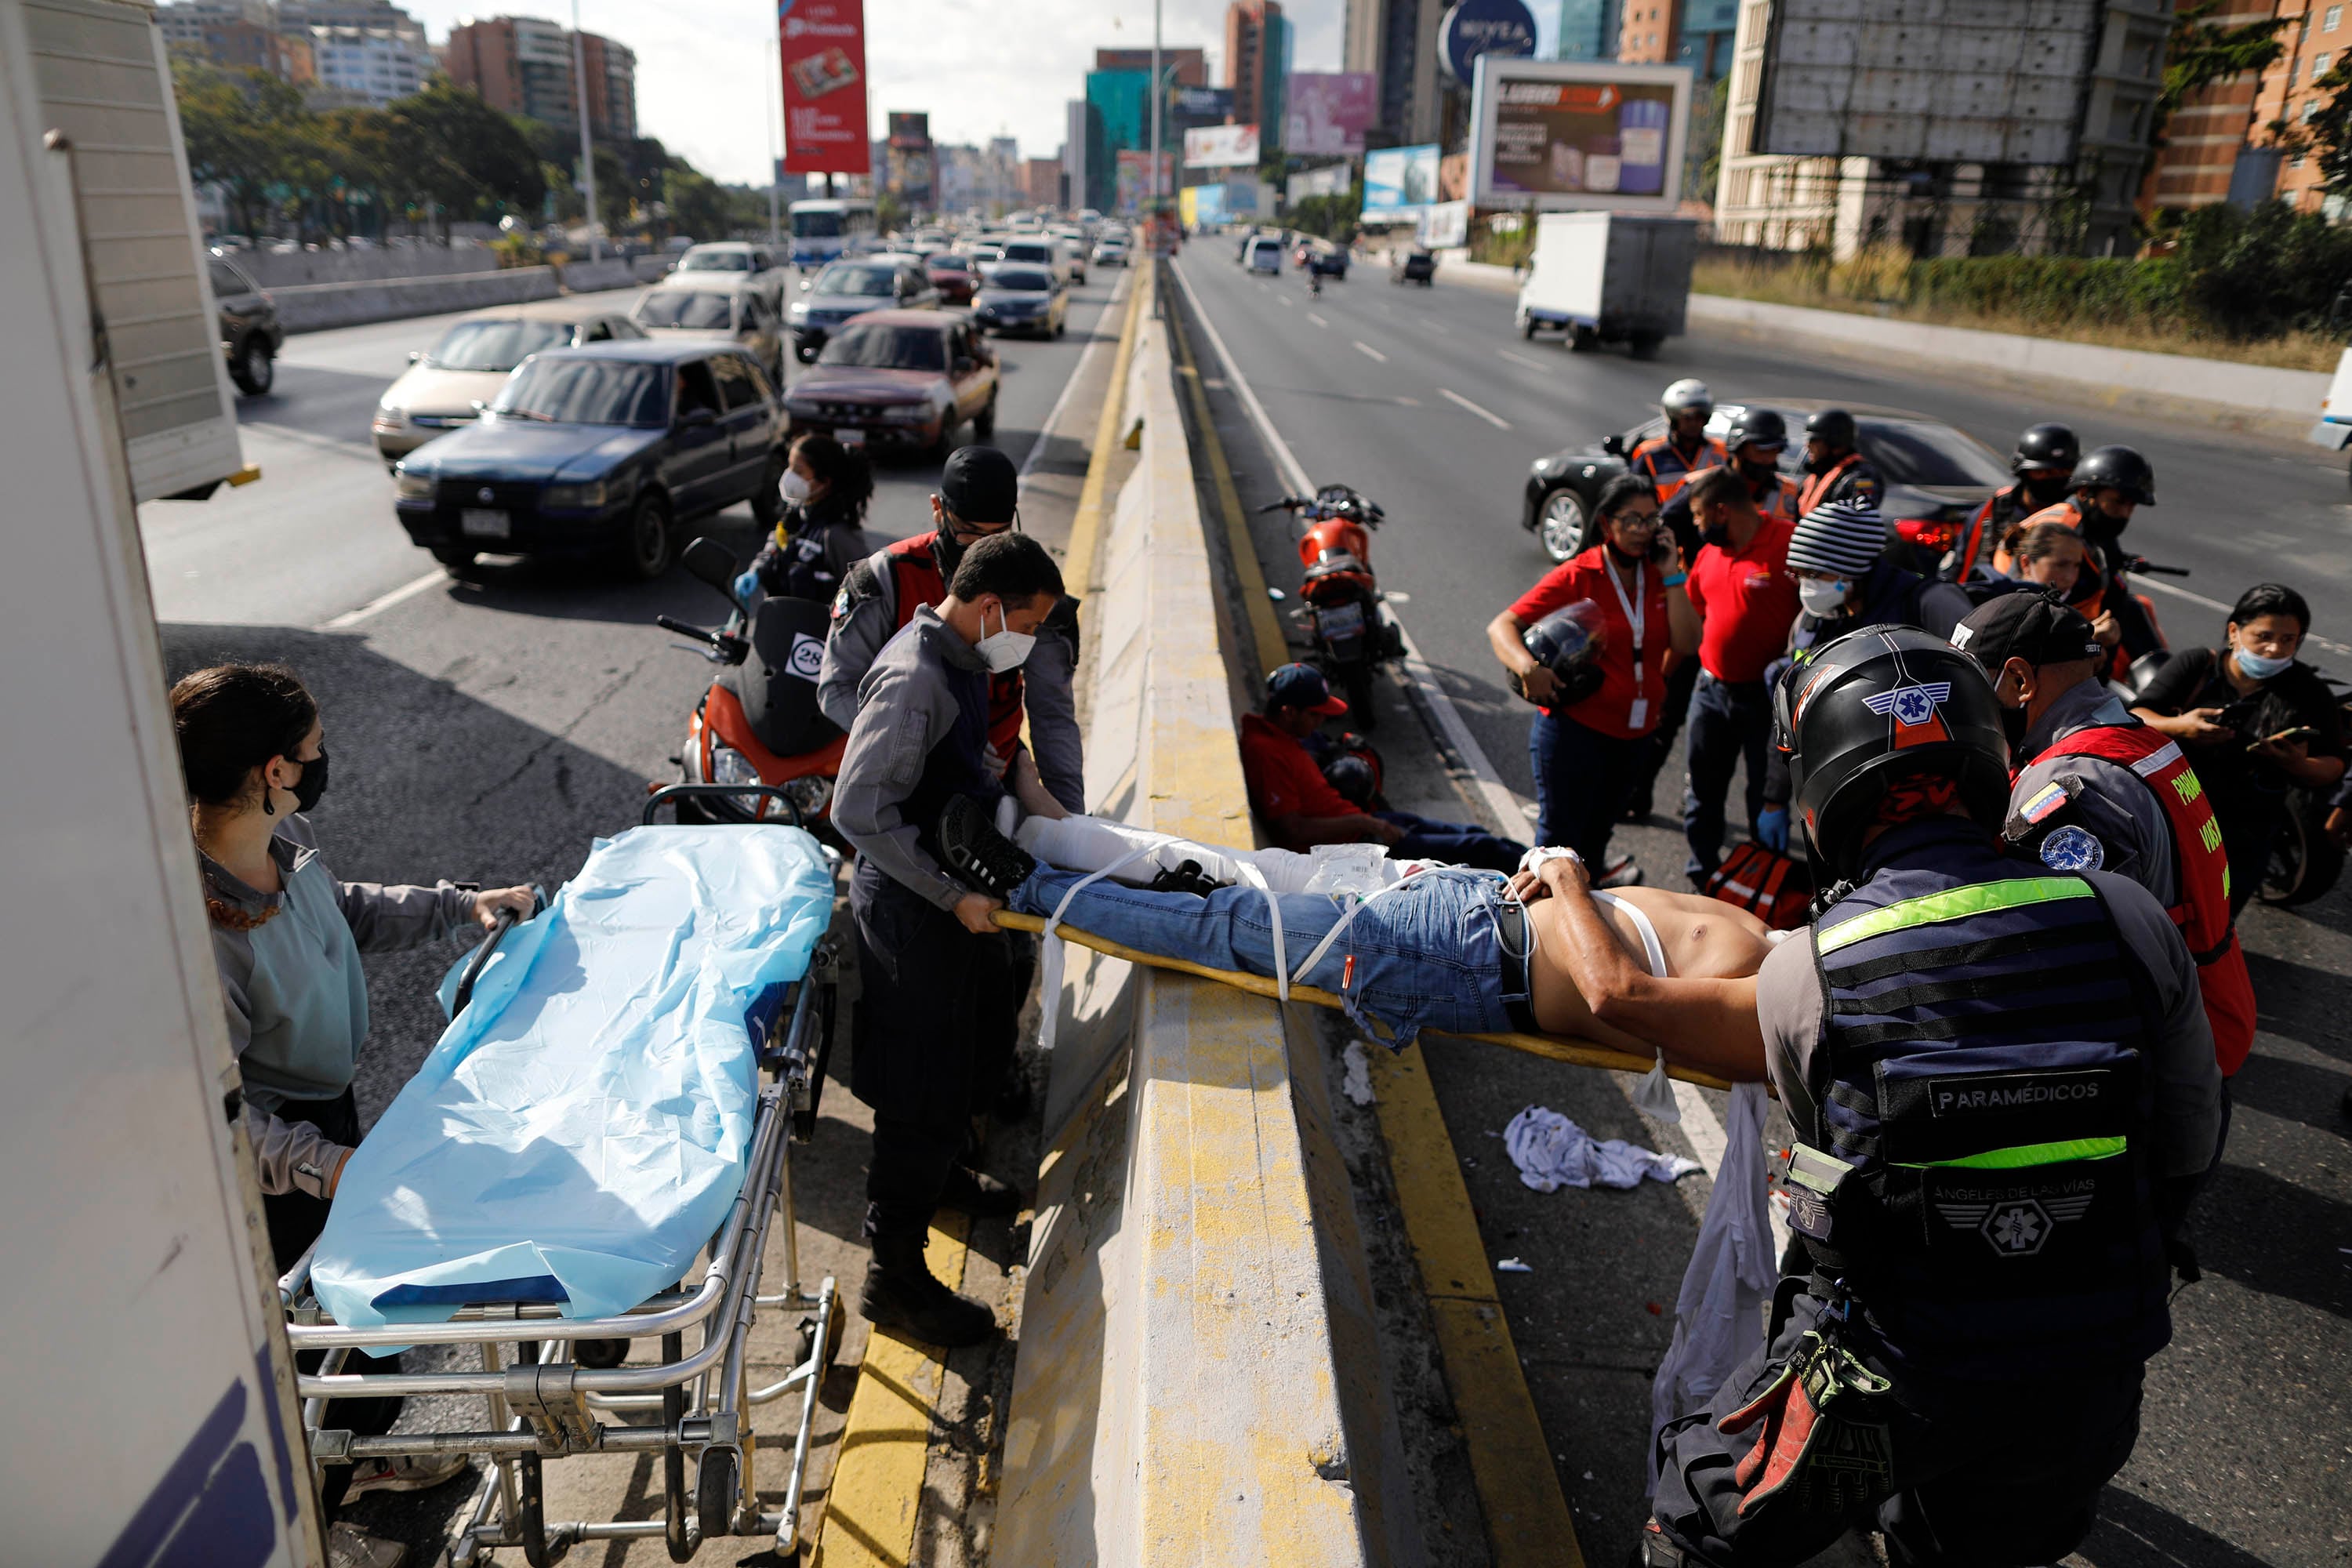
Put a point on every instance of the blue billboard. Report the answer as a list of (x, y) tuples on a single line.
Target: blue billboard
[(1399, 182)]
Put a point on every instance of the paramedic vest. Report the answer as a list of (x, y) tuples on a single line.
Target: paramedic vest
[(1981, 1067), (1661, 462), (2201, 875), (957, 763), (916, 580), (1825, 486)]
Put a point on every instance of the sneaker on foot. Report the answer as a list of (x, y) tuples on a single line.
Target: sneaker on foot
[(1185, 877), (979, 1195), (978, 853), (1621, 873), (409, 1473), (348, 1546)]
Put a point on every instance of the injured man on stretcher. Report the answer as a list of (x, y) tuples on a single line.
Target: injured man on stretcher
[(1406, 946)]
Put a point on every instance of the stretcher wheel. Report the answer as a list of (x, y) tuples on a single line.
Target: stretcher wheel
[(714, 1490), (838, 1322)]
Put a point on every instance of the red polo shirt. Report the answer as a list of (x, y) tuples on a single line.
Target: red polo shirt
[(1747, 602), (1609, 711), (1283, 780)]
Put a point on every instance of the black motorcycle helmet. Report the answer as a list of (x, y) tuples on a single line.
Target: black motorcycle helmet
[(1352, 775), (2051, 446), (1875, 706), (1762, 425), (1568, 642), (2116, 469), (1833, 428)]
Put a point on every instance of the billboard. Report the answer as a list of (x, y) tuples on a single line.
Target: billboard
[(1326, 113), (1399, 182), (1560, 136), (1993, 82), (1220, 146), (823, 54), (1474, 28), (1445, 225), (1327, 182), (1198, 205), (1134, 185), (1200, 105)]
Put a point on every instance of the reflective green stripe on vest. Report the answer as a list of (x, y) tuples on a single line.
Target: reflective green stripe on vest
[(1955, 903), (2024, 1154)]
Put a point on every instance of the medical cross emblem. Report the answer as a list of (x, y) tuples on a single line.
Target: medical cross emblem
[(2017, 1229), (1911, 704)]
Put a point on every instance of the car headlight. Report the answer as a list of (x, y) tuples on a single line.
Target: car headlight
[(573, 497), (811, 792), (389, 418), (412, 487), (799, 311), (729, 767)]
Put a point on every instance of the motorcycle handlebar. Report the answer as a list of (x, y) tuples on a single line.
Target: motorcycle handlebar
[(1286, 503), (671, 623), (2147, 568)]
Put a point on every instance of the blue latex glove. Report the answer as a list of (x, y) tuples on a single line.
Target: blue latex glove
[(1772, 828), (747, 586)]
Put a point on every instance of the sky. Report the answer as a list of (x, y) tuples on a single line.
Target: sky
[(980, 67)]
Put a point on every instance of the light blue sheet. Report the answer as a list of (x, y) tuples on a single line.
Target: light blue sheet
[(579, 1131)]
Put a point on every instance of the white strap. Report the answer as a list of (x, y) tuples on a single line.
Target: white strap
[(1256, 878), (1637, 611), (1299, 976), (1651, 947), (1138, 853), (1050, 990)]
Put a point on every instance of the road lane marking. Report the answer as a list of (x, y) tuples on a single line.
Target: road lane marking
[(382, 602), (1316, 320), (1287, 300), (2179, 593), (1456, 398), (1095, 340), (1364, 348), (1518, 359)]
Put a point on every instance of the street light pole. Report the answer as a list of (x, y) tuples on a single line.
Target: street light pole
[(768, 104), (587, 148), (1159, 91)]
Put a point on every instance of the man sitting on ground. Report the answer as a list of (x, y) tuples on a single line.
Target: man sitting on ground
[(1289, 792)]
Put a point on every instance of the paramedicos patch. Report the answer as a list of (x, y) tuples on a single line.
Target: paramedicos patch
[(2012, 1091)]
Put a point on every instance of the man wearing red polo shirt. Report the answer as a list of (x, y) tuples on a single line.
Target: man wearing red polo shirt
[(1289, 793), (1740, 584)]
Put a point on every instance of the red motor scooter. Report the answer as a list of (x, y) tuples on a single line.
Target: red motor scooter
[(758, 724), (1350, 633)]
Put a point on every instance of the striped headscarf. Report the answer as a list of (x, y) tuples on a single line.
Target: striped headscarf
[(1840, 537)]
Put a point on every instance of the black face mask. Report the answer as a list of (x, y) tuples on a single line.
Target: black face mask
[(2014, 724), (1758, 475), (2045, 490), (311, 784)]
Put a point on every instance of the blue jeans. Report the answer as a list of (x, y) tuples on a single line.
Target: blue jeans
[(1423, 957), (1728, 724), (1583, 779), (1456, 843)]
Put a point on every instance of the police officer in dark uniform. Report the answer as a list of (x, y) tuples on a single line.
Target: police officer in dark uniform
[(1835, 469), (937, 972), (2042, 463), (2004, 1094)]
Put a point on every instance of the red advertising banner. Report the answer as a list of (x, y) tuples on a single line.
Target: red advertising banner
[(824, 45)]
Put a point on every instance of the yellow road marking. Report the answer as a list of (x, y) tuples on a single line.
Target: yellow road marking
[(876, 1491)]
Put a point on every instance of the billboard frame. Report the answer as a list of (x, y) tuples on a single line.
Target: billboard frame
[(1486, 102), (1210, 135)]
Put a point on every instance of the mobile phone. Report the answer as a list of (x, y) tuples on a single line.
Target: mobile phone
[(2285, 737)]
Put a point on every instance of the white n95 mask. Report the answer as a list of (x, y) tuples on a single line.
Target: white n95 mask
[(1004, 648)]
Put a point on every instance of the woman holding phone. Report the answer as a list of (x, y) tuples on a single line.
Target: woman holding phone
[(2256, 721), (1588, 750)]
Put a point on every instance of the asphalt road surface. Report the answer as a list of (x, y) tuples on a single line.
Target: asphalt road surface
[(1429, 402)]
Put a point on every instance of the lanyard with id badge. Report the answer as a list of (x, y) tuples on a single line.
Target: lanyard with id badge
[(1637, 611)]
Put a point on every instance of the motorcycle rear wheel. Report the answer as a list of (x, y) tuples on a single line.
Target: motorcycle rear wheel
[(2305, 862)]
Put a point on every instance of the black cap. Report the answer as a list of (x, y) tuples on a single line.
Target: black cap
[(2034, 627), (979, 484), (1302, 686)]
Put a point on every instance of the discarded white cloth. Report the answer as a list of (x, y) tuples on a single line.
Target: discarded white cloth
[(1552, 1153), (1357, 1084), (1719, 1316)]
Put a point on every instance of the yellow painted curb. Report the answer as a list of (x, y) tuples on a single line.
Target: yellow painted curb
[(1528, 1521), (876, 1492), (1085, 526)]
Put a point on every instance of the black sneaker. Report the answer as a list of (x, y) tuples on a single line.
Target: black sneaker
[(1187, 877), (978, 853)]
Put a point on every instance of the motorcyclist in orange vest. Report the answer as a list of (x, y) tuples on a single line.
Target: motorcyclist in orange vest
[(2107, 487), (1835, 467), (2043, 461), (1670, 460)]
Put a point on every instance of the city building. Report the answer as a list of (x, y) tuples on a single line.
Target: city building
[(1185, 68), (1119, 119), (1585, 29), (237, 43), (1041, 183), (1842, 204), (1693, 33), (2238, 141), (368, 67), (1081, 133), (1257, 63), (522, 65), (1396, 40), (294, 15)]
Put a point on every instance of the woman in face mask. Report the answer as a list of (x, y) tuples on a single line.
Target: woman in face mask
[(826, 488), (287, 937), (2256, 721)]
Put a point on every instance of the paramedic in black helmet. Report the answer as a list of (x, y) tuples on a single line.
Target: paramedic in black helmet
[(1835, 469), (2043, 461), (2003, 1094), (2105, 490)]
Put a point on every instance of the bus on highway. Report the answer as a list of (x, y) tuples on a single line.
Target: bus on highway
[(825, 229)]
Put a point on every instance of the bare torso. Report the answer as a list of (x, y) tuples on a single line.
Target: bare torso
[(1703, 938)]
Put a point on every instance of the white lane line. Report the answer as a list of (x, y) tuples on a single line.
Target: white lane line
[(1517, 359), (1316, 320), (1510, 813), (2141, 581), (1366, 349), (382, 602), (1287, 300), (1095, 340), (1456, 398)]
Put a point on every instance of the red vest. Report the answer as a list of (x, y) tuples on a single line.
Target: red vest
[(915, 576), (1819, 484), (2200, 874), (1660, 461)]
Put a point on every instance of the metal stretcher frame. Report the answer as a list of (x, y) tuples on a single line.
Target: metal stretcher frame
[(541, 1403)]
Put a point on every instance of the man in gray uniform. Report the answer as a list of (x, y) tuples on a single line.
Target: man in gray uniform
[(937, 971)]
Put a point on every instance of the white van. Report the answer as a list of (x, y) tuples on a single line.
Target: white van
[(1265, 254)]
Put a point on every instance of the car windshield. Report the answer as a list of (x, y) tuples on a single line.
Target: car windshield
[(1921, 452), (1022, 279), (495, 346), (688, 308), (877, 282), (716, 261), (587, 392), (945, 263), (887, 348), (1029, 251), (808, 226)]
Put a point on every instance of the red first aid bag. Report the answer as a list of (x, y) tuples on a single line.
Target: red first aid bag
[(1776, 888)]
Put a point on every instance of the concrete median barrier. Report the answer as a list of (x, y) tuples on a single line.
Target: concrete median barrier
[(316, 306), (1198, 1380)]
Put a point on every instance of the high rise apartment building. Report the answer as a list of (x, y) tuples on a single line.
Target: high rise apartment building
[(522, 65)]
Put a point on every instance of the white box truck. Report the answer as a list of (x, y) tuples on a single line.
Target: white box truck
[(1610, 278)]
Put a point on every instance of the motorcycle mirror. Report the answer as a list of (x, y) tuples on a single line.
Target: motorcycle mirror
[(712, 563), (1277, 595), (1613, 445)]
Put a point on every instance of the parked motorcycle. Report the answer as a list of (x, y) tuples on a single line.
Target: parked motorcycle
[(2306, 858), (1350, 633), (758, 724)]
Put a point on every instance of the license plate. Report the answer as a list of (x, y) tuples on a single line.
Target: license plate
[(850, 438), (483, 522), (1342, 620)]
